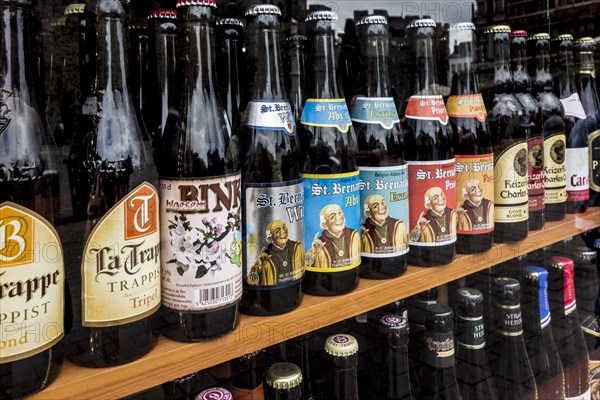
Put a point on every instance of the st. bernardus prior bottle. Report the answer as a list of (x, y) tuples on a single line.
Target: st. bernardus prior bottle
[(328, 165), (472, 148), (32, 288), (273, 258), (537, 332), (200, 187), (510, 143), (393, 381), (113, 254), (230, 34), (283, 382), (429, 151), (383, 170), (341, 355), (510, 363)]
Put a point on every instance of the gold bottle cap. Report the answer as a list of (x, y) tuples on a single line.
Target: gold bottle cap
[(59, 21), (284, 375), (77, 8), (462, 26), (372, 20), (497, 29), (563, 37), (263, 9), (539, 36), (421, 23), (321, 15), (199, 3), (341, 345), (585, 40)]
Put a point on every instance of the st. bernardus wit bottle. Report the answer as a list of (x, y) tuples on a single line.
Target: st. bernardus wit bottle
[(341, 354), (383, 170), (393, 368), (200, 186)]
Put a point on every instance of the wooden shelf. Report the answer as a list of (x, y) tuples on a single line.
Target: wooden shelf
[(170, 360)]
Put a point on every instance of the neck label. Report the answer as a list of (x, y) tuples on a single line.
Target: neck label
[(375, 110), (467, 106), (327, 113), (271, 115), (573, 106), (430, 108)]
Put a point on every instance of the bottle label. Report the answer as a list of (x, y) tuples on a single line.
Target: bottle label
[(510, 187), (31, 284), (544, 304), (594, 375), (439, 349), (121, 262), (326, 113), (384, 202), (272, 115), (332, 228), (573, 106), (577, 171), (201, 242), (467, 106), (429, 108), (512, 321), (471, 334), (594, 152), (273, 218), (569, 290), (535, 168), (584, 396), (591, 325), (375, 110), (555, 177), (475, 188)]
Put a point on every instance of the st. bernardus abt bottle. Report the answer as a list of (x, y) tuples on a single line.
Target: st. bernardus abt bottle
[(200, 186), (231, 64), (473, 149), (510, 143), (383, 169), (283, 382), (110, 166), (32, 273), (429, 151), (393, 381), (273, 258), (328, 165), (341, 354)]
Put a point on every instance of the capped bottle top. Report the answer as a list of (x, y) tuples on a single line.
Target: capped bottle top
[(215, 393), (341, 345), (393, 324), (519, 33), (427, 295), (162, 14), (372, 20), (321, 15), (539, 36), (77, 8), (191, 3), (470, 302), (440, 318), (506, 290), (462, 26), (561, 263), (583, 253), (585, 41), (230, 22), (284, 375), (263, 9), (135, 25), (497, 29), (296, 38), (533, 273), (59, 21), (563, 37), (421, 23)]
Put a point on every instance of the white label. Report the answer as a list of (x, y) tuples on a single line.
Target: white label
[(273, 115), (578, 183), (573, 106), (585, 396)]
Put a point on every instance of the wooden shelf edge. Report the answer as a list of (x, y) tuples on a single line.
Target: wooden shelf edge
[(170, 360)]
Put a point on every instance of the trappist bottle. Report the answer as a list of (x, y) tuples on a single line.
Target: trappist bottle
[(510, 143), (111, 175), (473, 149), (510, 363), (273, 259), (394, 376), (247, 381), (283, 382), (566, 327), (328, 165), (300, 354), (214, 393), (230, 61), (429, 151), (200, 185), (139, 65), (473, 373), (30, 357), (350, 70), (182, 387), (341, 353), (383, 169), (539, 341), (54, 54), (294, 73)]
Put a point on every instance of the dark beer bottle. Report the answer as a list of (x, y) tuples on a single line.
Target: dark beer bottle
[(283, 382), (30, 249), (301, 355), (214, 392), (328, 165), (200, 186), (430, 155), (247, 379), (473, 149), (383, 169), (295, 69), (112, 179), (537, 332), (138, 64), (394, 376), (273, 258), (231, 64), (341, 353)]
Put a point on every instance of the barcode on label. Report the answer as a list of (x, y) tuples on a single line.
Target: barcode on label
[(213, 295)]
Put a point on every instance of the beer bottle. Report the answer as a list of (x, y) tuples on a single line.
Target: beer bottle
[(112, 179), (328, 165), (138, 47), (394, 378), (283, 382), (273, 259), (231, 64), (473, 149), (295, 69), (200, 186), (247, 381), (214, 392), (539, 341), (31, 253), (430, 155), (383, 169), (341, 353), (300, 355)]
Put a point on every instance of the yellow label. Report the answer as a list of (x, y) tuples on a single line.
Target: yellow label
[(121, 262), (31, 284), (510, 184), (467, 106), (594, 148), (555, 176)]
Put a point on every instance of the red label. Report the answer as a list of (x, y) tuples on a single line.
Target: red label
[(535, 168), (430, 108), (569, 288)]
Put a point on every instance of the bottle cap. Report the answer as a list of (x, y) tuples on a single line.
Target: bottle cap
[(284, 375), (585, 41), (59, 21), (215, 393), (162, 14), (393, 324), (539, 36), (296, 38), (533, 273), (263, 9), (561, 263), (584, 254), (77, 8), (440, 318), (506, 290), (191, 3), (230, 22), (470, 302), (519, 33), (372, 20), (321, 15), (341, 345), (563, 37), (462, 26), (497, 29), (421, 23), (134, 25), (428, 295)]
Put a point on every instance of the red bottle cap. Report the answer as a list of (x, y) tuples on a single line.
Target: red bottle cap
[(518, 33)]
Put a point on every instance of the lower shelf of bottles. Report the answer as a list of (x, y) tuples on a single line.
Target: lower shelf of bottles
[(170, 360)]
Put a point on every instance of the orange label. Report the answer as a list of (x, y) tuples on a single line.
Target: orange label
[(16, 238), (467, 106), (427, 108), (140, 213)]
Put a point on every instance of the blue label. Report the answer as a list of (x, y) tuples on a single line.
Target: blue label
[(375, 110), (384, 216), (274, 115), (332, 223), (542, 276), (326, 113)]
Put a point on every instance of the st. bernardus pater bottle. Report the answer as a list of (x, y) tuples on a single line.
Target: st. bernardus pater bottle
[(328, 165), (114, 252), (393, 377), (341, 354), (32, 274), (273, 258), (200, 187), (231, 67), (510, 143), (383, 170), (283, 382), (429, 151), (473, 149)]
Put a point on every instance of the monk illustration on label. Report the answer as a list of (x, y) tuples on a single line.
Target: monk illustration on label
[(338, 245), (381, 233), (476, 212), (280, 261), (438, 223)]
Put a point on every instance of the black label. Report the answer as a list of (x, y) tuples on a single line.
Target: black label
[(511, 319), (439, 350)]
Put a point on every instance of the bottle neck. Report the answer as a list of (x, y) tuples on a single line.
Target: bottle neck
[(322, 81), (566, 81), (521, 77), (345, 383), (543, 77), (586, 87), (376, 50), (425, 78), (246, 374), (465, 81), (264, 57), (503, 79)]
